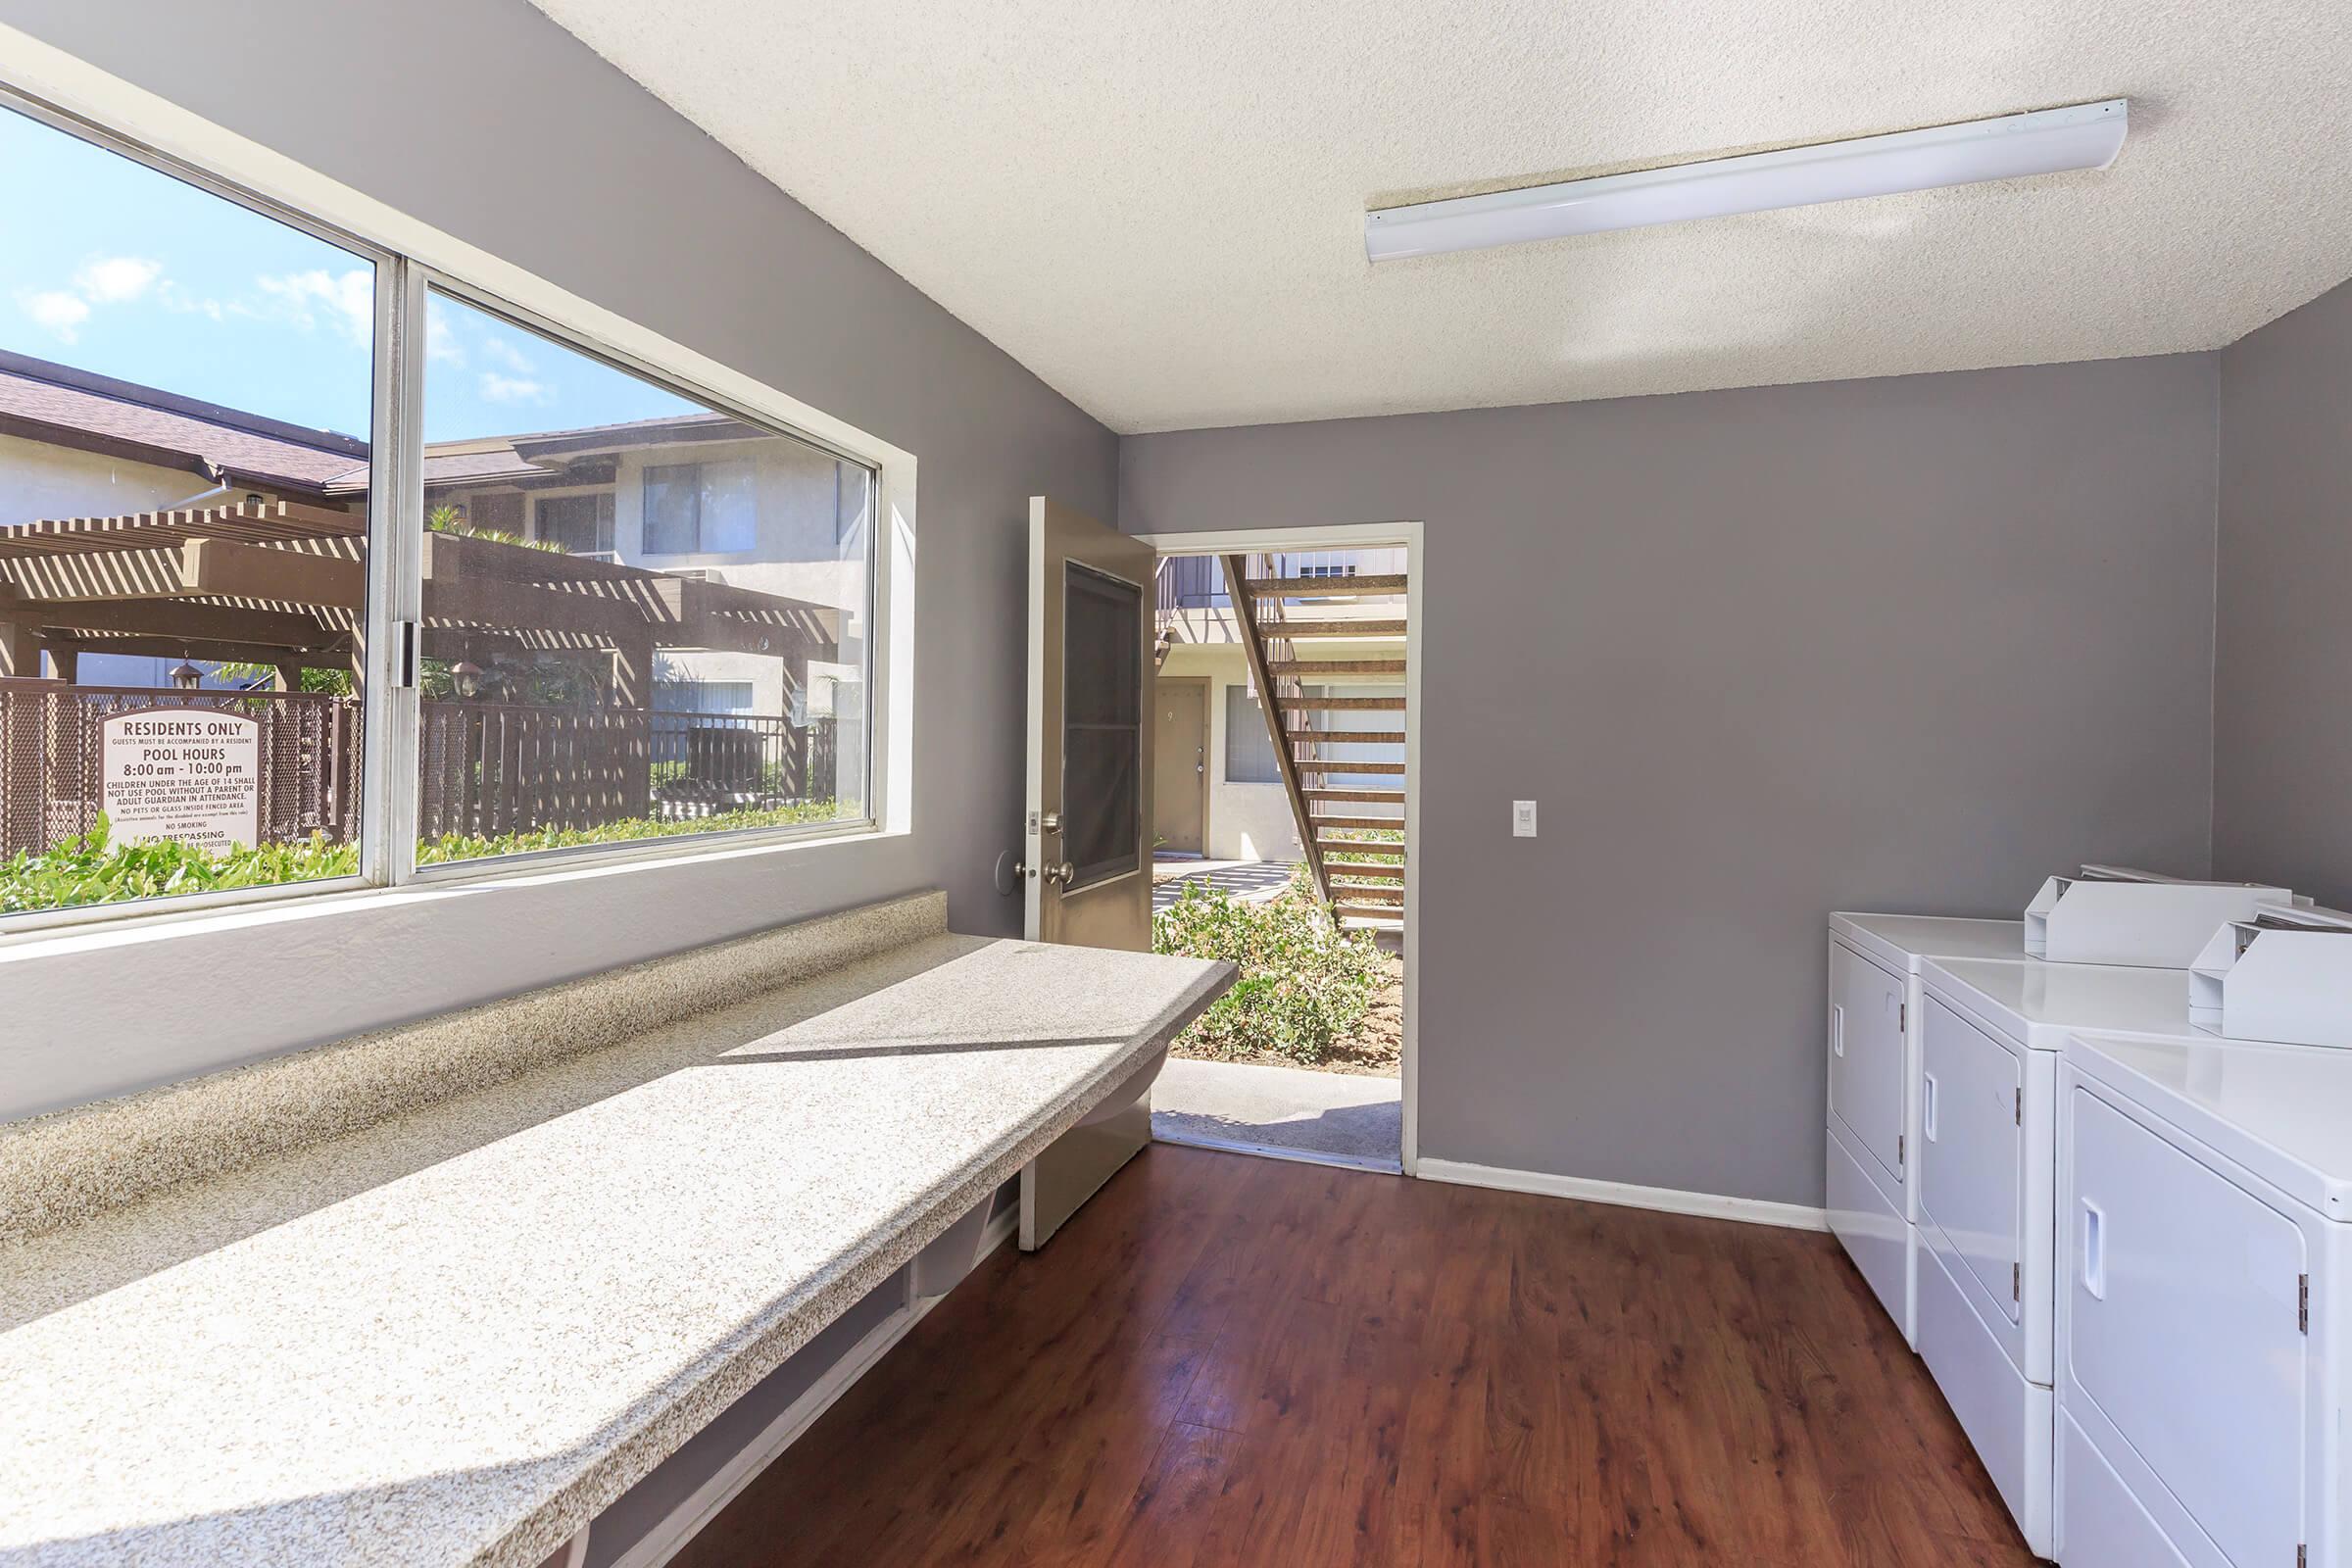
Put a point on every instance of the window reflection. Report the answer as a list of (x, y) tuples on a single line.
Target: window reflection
[(643, 616)]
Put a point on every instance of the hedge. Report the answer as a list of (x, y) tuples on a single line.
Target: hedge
[(94, 869), (1304, 986)]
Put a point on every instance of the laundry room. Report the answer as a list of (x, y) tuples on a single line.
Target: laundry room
[(1353, 783)]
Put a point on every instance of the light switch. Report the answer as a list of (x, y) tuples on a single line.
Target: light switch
[(1523, 819)]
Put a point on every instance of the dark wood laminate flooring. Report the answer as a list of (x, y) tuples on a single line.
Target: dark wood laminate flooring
[(1230, 1360)]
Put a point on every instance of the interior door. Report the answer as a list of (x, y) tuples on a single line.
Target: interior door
[(1089, 735), (1180, 754), (1087, 863)]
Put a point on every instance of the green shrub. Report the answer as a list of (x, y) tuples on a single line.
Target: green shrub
[(1304, 984), (94, 869)]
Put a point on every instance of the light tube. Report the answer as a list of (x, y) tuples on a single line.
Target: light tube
[(2009, 147)]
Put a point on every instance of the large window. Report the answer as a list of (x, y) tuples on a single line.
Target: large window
[(551, 663), (608, 608), (186, 402)]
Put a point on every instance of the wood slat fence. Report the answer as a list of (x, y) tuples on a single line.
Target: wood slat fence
[(484, 768), (49, 758)]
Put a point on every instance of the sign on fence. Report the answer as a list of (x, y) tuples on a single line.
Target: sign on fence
[(188, 773)]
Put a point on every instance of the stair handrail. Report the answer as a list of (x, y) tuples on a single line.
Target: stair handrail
[(1250, 611), (1164, 608)]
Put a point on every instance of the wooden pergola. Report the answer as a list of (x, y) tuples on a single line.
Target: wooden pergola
[(281, 584)]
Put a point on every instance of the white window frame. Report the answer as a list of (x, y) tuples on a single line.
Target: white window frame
[(409, 256)]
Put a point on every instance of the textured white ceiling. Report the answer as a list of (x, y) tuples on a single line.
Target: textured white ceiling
[(1158, 205)]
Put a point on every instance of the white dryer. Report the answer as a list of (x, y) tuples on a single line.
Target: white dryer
[(1986, 1171), (2204, 1321), (1874, 1046)]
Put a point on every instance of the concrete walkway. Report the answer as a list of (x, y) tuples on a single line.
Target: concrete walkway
[(1339, 1118)]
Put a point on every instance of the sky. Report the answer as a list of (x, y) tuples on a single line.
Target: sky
[(109, 266)]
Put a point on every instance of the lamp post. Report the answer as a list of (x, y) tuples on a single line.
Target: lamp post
[(186, 677), (466, 680)]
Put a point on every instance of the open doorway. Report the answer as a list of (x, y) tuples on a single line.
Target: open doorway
[(1282, 812)]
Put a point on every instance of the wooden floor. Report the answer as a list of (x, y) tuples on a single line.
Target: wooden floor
[(1225, 1360)]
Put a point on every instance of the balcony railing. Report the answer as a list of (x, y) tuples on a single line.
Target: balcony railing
[(1195, 583)]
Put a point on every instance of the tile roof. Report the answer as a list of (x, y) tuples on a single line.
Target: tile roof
[(36, 396), (72, 407)]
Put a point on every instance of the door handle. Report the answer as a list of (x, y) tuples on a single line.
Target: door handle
[(2094, 1250), (1065, 873), (1926, 1106), (1837, 1030)]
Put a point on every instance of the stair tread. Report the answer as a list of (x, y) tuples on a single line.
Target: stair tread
[(1335, 667), (1348, 705), (1364, 868), (1290, 630), (1325, 587), (1349, 737), (1384, 797), (1342, 766)]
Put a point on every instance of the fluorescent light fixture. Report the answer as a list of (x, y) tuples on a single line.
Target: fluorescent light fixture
[(2044, 142)]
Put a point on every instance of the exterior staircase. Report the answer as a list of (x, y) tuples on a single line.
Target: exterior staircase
[(1297, 631)]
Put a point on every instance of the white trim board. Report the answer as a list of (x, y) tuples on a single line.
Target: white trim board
[(1366, 536), (667, 1539), (1625, 1194)]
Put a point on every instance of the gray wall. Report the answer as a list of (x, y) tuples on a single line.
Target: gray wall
[(483, 117), (1905, 644), (2282, 774)]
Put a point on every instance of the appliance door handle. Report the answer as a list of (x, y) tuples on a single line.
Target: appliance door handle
[(1927, 1104), (2094, 1250), (1837, 1030)]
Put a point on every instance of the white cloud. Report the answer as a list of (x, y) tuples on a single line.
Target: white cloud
[(440, 343), (501, 352), (347, 300), (114, 279), (171, 297), (100, 280), (497, 388), (58, 312)]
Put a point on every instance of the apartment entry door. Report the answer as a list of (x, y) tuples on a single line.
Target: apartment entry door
[(1086, 838), (1179, 765)]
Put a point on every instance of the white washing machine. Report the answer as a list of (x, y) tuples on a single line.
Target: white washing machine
[(2204, 1324), (1986, 1171), (1873, 1044)]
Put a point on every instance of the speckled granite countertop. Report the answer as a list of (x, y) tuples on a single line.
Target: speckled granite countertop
[(452, 1336)]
